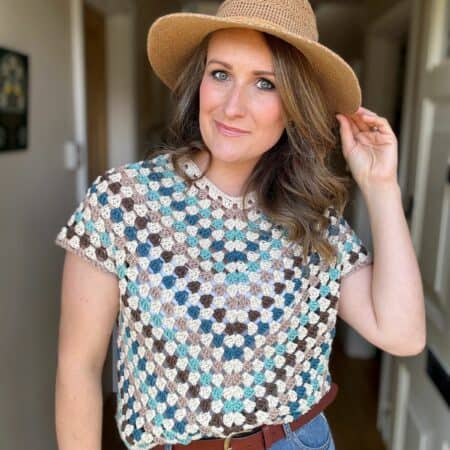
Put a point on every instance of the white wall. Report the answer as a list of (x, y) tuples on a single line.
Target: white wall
[(36, 197)]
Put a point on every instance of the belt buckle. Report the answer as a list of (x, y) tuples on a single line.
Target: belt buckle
[(226, 442)]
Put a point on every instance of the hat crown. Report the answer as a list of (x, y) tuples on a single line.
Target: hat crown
[(295, 16)]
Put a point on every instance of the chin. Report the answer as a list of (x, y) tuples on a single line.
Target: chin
[(229, 156)]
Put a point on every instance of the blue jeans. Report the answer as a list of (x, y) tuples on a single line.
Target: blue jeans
[(313, 435)]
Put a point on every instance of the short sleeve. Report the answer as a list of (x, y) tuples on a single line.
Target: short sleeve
[(352, 253), (88, 232)]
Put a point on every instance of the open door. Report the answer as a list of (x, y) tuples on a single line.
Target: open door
[(420, 411), (431, 217), (96, 90)]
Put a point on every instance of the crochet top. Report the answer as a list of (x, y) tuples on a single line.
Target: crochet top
[(224, 325)]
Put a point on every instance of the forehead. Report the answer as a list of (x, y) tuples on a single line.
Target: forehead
[(238, 43)]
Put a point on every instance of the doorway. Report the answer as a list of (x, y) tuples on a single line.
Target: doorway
[(96, 90)]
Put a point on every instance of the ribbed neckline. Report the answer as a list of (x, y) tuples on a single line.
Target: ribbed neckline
[(229, 201)]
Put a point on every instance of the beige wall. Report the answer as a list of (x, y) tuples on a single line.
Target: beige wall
[(122, 111), (35, 198), (376, 8), (153, 108)]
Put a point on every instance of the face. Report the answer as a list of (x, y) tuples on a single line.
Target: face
[(238, 90)]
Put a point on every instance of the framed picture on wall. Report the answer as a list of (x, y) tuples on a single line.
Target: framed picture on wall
[(13, 100)]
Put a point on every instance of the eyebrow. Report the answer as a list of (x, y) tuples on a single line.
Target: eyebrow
[(229, 66)]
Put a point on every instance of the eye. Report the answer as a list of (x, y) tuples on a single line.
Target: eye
[(266, 84), (263, 83), (219, 73)]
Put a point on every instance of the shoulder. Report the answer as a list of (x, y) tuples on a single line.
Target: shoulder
[(159, 163), (332, 213), (352, 251), (133, 176), (338, 227), (134, 189), (341, 234), (335, 225)]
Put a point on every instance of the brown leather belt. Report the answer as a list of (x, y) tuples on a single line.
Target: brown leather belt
[(262, 439)]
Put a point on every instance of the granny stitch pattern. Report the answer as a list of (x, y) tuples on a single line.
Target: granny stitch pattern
[(223, 326)]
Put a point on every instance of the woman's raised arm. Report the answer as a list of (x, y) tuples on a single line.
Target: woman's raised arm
[(384, 303)]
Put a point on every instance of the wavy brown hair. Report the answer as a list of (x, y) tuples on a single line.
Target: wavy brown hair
[(294, 180)]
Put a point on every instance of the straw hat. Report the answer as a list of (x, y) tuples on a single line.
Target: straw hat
[(172, 39)]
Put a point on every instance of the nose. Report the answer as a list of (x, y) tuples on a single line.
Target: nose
[(235, 103)]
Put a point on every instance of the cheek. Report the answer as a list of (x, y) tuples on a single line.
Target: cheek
[(271, 112), (208, 96)]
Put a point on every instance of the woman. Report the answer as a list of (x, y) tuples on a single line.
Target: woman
[(229, 253)]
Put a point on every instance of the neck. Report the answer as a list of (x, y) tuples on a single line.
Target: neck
[(228, 177)]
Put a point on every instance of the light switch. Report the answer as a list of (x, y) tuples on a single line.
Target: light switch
[(71, 155)]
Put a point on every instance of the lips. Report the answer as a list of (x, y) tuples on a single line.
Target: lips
[(230, 131)]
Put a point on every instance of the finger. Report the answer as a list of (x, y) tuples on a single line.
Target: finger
[(360, 124), (353, 126), (345, 131), (380, 123), (366, 111)]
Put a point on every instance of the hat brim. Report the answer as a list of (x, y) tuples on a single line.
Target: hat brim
[(172, 39)]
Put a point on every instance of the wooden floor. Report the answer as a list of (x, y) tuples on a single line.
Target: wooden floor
[(352, 416)]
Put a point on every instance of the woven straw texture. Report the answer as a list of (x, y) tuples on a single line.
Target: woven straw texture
[(294, 16)]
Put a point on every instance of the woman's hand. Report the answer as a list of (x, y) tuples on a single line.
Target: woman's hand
[(370, 148)]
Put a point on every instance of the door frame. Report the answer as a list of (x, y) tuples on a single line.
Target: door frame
[(79, 95), (384, 37)]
